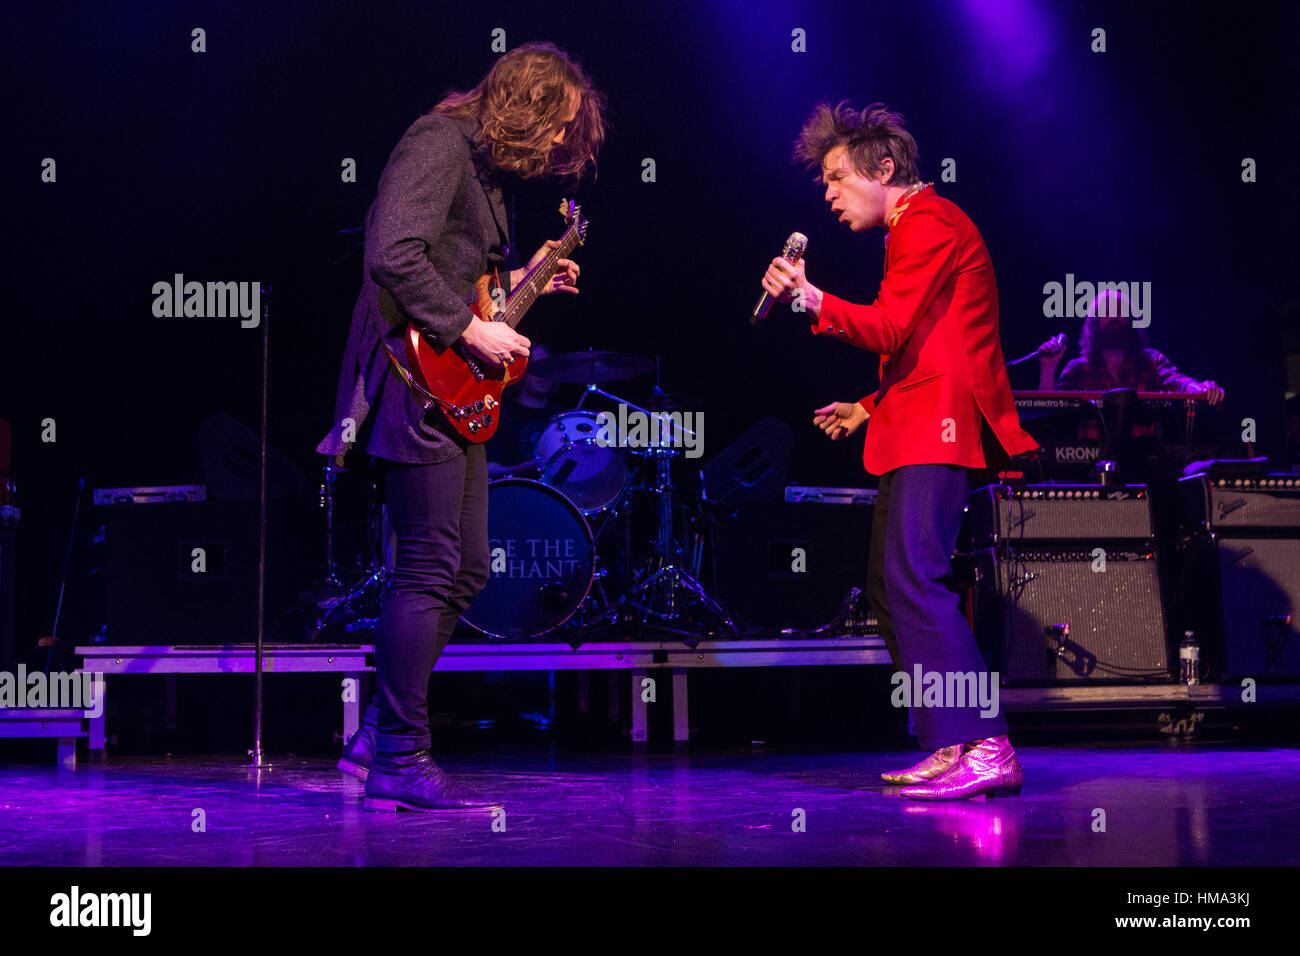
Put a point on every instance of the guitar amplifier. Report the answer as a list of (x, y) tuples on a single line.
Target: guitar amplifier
[(790, 565), (1241, 597), (1236, 505), (181, 568), (1114, 613), (1001, 514)]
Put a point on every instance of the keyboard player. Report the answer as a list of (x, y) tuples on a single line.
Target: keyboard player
[(1113, 354)]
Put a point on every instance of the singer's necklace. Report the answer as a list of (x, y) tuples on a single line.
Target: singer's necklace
[(903, 202)]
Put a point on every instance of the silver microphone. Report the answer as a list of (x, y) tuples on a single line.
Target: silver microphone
[(793, 252)]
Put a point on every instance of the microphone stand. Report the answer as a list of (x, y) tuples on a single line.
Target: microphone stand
[(257, 759)]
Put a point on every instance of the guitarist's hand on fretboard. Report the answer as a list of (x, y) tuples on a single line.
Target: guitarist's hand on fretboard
[(565, 277), (495, 343), (465, 381)]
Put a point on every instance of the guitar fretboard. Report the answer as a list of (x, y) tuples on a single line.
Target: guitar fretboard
[(526, 293)]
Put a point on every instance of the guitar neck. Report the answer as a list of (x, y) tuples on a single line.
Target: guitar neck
[(525, 294)]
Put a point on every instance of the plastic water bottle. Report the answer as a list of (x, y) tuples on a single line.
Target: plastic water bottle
[(1189, 660)]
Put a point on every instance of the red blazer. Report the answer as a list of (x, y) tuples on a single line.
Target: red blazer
[(935, 326)]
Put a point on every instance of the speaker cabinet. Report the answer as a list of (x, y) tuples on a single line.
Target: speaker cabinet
[(1110, 600), (1242, 599), (791, 565), (186, 572)]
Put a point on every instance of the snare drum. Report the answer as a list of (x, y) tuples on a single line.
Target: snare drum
[(541, 561), (591, 475)]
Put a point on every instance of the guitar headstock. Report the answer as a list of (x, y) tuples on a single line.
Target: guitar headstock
[(572, 214)]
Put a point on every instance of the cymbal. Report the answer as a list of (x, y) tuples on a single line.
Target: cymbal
[(587, 368), (670, 402)]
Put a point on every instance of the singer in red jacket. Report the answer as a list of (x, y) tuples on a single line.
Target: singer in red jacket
[(943, 411)]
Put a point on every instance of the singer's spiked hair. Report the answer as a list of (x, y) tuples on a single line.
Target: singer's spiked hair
[(869, 136)]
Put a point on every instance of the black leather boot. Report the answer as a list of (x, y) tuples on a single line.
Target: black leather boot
[(359, 753), (414, 782)]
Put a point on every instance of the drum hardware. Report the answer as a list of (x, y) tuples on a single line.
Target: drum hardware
[(554, 541), (666, 594), (541, 558), (572, 459), (331, 577), (662, 401), (348, 610), (333, 603), (592, 474)]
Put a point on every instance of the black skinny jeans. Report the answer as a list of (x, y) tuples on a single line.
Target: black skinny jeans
[(439, 514)]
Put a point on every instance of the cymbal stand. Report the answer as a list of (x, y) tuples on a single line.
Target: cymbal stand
[(331, 578), (344, 603), (667, 593)]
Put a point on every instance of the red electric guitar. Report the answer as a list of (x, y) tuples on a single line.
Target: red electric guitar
[(466, 389)]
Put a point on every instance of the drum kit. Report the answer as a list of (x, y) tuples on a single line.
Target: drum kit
[(606, 541)]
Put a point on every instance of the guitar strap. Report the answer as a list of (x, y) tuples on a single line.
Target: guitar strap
[(488, 180), (430, 398)]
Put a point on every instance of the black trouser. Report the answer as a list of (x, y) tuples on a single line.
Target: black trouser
[(439, 515), (915, 524)]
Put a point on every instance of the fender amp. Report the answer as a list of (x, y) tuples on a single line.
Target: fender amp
[(1067, 583)]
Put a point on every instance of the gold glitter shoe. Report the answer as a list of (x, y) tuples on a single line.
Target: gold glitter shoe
[(988, 767), (935, 765)]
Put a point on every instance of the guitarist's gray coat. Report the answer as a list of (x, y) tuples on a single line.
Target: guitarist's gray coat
[(436, 225)]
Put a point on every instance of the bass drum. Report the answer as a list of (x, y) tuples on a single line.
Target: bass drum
[(590, 474), (542, 564)]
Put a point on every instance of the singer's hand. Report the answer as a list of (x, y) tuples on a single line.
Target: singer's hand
[(839, 420), (783, 279)]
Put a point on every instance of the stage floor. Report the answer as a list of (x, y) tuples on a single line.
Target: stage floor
[(1183, 805)]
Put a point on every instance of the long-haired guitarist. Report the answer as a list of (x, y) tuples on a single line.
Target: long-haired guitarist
[(437, 226)]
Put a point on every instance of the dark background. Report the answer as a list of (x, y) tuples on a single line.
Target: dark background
[(225, 165)]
